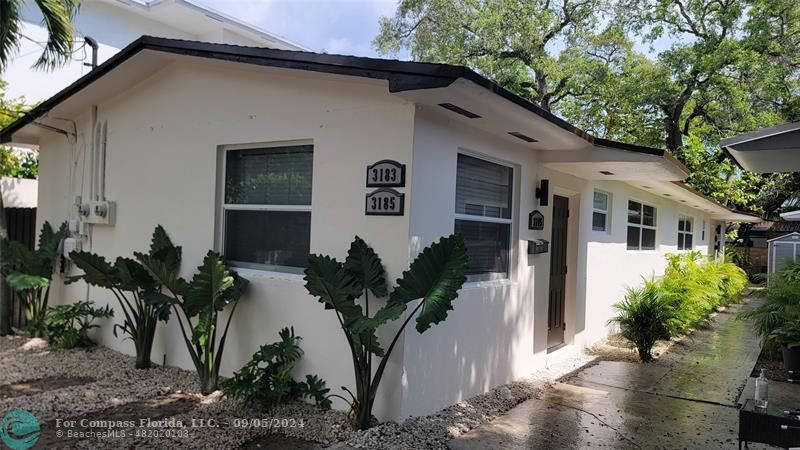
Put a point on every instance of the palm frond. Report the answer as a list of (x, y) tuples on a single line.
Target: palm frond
[(57, 18)]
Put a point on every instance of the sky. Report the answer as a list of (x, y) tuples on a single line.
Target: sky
[(334, 26)]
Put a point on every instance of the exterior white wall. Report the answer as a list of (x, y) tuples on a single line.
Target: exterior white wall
[(113, 25), (163, 138), (497, 331), (164, 135), (611, 267), (487, 339)]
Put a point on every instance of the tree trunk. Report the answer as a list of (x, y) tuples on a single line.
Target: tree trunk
[(674, 136)]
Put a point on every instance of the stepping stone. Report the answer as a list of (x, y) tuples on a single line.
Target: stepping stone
[(280, 442), (153, 409), (37, 386), (624, 375)]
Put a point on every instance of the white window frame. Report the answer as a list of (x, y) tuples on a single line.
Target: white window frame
[(606, 213), (224, 207), (641, 226), (492, 276), (703, 231), (690, 219)]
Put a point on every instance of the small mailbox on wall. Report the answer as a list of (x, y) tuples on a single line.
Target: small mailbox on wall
[(537, 246)]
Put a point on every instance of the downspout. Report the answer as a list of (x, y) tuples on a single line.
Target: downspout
[(92, 152), (95, 49), (102, 164)]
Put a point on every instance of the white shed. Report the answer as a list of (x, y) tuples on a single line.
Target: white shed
[(782, 249)]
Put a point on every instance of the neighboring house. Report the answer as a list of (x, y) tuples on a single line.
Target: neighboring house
[(184, 124), (756, 241), (115, 24)]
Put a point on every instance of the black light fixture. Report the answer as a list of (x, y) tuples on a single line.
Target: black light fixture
[(543, 192)]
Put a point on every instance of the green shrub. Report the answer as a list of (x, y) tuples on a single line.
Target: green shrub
[(67, 326), (691, 288), (29, 273), (267, 379), (697, 285), (197, 304), (644, 317), (134, 290), (429, 287), (786, 335), (781, 303)]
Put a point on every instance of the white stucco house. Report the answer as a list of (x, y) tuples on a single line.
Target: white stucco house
[(183, 124), (115, 24)]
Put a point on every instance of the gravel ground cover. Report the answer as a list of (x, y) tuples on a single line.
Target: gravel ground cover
[(40, 385), (121, 390)]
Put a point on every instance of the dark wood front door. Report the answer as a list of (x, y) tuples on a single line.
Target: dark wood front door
[(558, 272)]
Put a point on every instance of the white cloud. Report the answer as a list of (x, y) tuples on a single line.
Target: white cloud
[(336, 26)]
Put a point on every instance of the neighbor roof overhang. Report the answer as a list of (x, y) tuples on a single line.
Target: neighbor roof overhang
[(775, 149), (792, 216)]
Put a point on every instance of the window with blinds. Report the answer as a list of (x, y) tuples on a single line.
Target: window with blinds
[(483, 215), (266, 214)]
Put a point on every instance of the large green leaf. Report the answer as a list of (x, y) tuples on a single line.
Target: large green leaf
[(370, 338), (435, 276), (389, 312), (14, 257), (96, 270), (365, 266), (162, 273), (46, 254), (24, 282), (212, 287), (132, 276), (336, 289), (161, 247), (161, 302)]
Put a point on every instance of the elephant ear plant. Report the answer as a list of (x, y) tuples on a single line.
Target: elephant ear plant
[(434, 278), (135, 289), (29, 273), (197, 304)]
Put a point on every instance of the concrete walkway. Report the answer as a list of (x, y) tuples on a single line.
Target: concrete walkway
[(687, 399)]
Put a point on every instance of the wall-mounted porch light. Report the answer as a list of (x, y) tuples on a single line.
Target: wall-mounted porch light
[(543, 192)]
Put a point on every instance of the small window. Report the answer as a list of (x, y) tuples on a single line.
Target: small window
[(483, 216), (641, 226), (703, 232), (266, 212), (685, 232), (600, 211)]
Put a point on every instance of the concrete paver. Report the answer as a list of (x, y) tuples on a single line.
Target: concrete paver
[(687, 399)]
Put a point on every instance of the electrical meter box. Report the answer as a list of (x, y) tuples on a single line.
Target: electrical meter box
[(100, 212)]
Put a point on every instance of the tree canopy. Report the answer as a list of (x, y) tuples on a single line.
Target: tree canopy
[(674, 74), (15, 164)]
